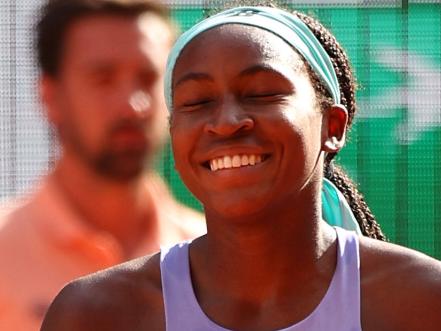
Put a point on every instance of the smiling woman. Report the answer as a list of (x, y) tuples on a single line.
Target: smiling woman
[(193, 90), (260, 102), (237, 113)]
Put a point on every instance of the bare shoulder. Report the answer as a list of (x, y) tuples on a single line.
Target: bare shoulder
[(124, 297), (400, 288)]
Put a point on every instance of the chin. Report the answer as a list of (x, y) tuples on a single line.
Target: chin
[(240, 210), (123, 176), (123, 171)]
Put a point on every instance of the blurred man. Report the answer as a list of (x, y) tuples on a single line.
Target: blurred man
[(102, 65)]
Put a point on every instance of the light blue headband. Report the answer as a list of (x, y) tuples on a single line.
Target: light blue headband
[(282, 23), (335, 208)]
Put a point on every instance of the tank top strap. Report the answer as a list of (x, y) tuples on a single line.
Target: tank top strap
[(182, 311), (339, 310)]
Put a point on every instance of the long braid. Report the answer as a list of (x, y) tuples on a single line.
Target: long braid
[(365, 218), (363, 215)]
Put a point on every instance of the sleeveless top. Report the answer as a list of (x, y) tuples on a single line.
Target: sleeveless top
[(339, 309)]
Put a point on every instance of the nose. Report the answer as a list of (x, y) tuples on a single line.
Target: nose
[(140, 102), (133, 104), (229, 119)]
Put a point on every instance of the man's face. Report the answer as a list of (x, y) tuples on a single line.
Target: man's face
[(106, 102)]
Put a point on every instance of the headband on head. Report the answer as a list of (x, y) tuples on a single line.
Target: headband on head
[(279, 22)]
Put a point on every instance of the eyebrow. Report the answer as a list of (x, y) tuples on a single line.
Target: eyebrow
[(259, 68), (264, 68), (195, 76)]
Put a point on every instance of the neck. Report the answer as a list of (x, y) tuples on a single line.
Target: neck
[(124, 209), (274, 254)]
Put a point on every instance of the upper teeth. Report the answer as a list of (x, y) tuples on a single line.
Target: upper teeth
[(235, 161)]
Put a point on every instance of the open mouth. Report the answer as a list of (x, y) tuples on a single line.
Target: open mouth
[(235, 161)]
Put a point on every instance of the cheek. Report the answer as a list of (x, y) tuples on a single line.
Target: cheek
[(289, 126), (180, 146), (84, 102), (83, 122), (181, 160), (185, 136), (300, 132)]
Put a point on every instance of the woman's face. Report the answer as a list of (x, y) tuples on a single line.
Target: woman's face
[(246, 129)]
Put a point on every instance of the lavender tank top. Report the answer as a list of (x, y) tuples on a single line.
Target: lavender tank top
[(339, 309)]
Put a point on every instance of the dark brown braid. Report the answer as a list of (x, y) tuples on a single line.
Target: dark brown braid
[(368, 224)]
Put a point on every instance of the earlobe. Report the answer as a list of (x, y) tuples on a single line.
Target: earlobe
[(335, 129)]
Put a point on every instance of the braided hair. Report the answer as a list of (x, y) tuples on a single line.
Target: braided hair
[(364, 216)]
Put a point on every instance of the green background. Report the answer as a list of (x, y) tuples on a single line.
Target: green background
[(399, 174)]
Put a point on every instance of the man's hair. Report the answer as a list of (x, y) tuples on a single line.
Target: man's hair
[(58, 15)]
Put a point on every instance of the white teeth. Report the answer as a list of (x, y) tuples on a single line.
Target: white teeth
[(252, 159), (244, 160), (234, 161), (213, 165), (227, 162)]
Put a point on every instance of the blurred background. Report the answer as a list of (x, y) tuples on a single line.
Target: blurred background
[(394, 149)]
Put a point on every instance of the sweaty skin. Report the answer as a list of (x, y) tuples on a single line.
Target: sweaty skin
[(268, 258)]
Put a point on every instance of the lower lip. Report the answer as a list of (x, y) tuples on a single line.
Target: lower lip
[(230, 178)]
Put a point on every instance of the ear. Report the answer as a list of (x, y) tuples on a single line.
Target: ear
[(336, 120), (48, 95)]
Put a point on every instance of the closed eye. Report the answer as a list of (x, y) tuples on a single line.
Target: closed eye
[(192, 105), (197, 103), (265, 97)]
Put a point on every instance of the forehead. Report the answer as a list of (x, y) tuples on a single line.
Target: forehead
[(113, 37), (240, 45)]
